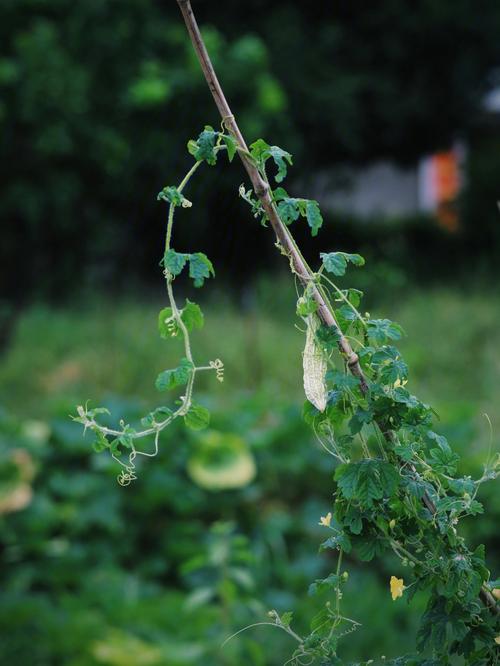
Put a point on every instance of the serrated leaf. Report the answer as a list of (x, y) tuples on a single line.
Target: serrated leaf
[(205, 146), (367, 481), (346, 313), (323, 584), (353, 520), (200, 268), (337, 541), (170, 379), (288, 210), (328, 337), (100, 442), (192, 316), (443, 461), (306, 306), (382, 330), (368, 487), (197, 418), (262, 151), (360, 418), (171, 194), (174, 261), (313, 216), (342, 382), (368, 548), (280, 158), (258, 149), (336, 262), (157, 415), (280, 193)]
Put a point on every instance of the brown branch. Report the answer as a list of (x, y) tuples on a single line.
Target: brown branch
[(283, 234)]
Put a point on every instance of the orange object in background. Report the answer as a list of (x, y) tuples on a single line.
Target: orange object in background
[(440, 184), (447, 176), (447, 183)]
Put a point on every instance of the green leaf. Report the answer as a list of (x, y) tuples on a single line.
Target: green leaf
[(114, 446), (336, 262), (171, 194), (382, 330), (361, 417), (288, 210), (390, 365), (192, 147), (337, 541), (368, 548), (313, 216), (170, 379), (100, 442), (323, 584), (367, 481), (169, 329), (231, 146), (342, 382), (126, 440), (347, 477), (286, 618), (280, 157), (443, 461), (192, 316), (368, 486), (258, 149), (98, 410), (328, 337), (262, 151), (174, 261), (353, 520), (158, 415), (197, 418), (346, 313), (200, 268), (306, 306), (205, 146)]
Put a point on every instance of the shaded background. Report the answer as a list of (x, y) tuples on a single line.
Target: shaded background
[(97, 102)]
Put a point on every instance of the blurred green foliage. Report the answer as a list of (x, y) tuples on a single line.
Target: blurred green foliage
[(164, 571), (97, 100)]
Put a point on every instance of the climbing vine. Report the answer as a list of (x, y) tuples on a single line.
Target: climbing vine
[(397, 483), (397, 488)]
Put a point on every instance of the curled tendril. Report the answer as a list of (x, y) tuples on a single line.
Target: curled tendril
[(125, 478), (218, 366)]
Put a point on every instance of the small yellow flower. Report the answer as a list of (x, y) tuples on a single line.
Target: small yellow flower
[(496, 593), (326, 520), (497, 640), (392, 524), (397, 587), (399, 383)]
